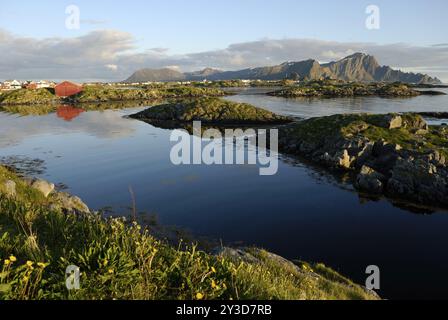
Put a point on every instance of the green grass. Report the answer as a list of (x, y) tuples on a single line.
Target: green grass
[(120, 260)]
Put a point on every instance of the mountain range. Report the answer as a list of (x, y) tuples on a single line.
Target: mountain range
[(357, 67)]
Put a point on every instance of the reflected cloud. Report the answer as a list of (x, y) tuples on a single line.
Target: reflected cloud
[(107, 124)]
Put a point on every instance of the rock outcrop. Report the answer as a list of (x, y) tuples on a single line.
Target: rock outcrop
[(43, 186), (211, 111), (317, 272), (68, 203), (396, 155), (335, 88)]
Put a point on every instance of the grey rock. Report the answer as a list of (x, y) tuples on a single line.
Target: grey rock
[(43, 186), (391, 121), (68, 203), (418, 179), (369, 180)]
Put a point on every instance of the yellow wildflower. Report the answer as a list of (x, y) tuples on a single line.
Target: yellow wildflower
[(213, 270), (7, 262), (41, 265), (110, 271), (12, 258), (29, 264), (199, 296), (214, 285)]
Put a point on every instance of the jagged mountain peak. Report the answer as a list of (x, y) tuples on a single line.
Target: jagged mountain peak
[(355, 67)]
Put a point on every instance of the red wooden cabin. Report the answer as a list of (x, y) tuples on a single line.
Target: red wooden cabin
[(67, 89)]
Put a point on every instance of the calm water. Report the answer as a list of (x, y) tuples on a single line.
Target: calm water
[(300, 213)]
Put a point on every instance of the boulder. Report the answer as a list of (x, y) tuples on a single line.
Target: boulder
[(415, 123), (419, 179), (370, 180), (68, 203), (43, 186), (390, 121)]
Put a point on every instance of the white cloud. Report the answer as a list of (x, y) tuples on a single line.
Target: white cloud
[(112, 67), (97, 55)]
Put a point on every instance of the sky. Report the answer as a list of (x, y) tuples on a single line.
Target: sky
[(115, 38)]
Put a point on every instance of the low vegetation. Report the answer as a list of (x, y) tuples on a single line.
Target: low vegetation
[(24, 96), (119, 259), (211, 111), (99, 93), (105, 94), (337, 88)]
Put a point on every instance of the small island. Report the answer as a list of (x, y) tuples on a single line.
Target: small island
[(397, 155), (339, 88), (211, 111)]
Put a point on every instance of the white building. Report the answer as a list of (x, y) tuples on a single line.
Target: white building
[(11, 85)]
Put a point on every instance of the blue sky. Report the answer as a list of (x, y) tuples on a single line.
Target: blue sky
[(199, 25), (185, 27)]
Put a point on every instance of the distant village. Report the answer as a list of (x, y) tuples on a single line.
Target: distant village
[(16, 84)]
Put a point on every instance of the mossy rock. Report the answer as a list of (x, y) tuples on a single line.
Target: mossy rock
[(26, 96), (211, 111)]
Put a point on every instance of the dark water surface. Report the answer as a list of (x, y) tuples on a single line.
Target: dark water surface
[(300, 213)]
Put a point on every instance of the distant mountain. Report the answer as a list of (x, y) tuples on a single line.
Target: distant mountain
[(203, 74), (156, 75), (357, 67)]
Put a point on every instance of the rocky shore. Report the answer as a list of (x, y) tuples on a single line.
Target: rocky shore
[(397, 155), (334, 88), (39, 192)]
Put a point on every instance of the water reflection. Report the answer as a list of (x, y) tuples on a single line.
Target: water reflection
[(68, 112), (300, 213), (317, 107), (107, 124)]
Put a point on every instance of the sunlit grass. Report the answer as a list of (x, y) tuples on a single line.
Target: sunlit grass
[(119, 259)]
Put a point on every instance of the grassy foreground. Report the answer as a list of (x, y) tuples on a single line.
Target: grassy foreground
[(120, 260)]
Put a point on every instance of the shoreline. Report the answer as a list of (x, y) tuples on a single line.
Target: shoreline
[(247, 266)]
